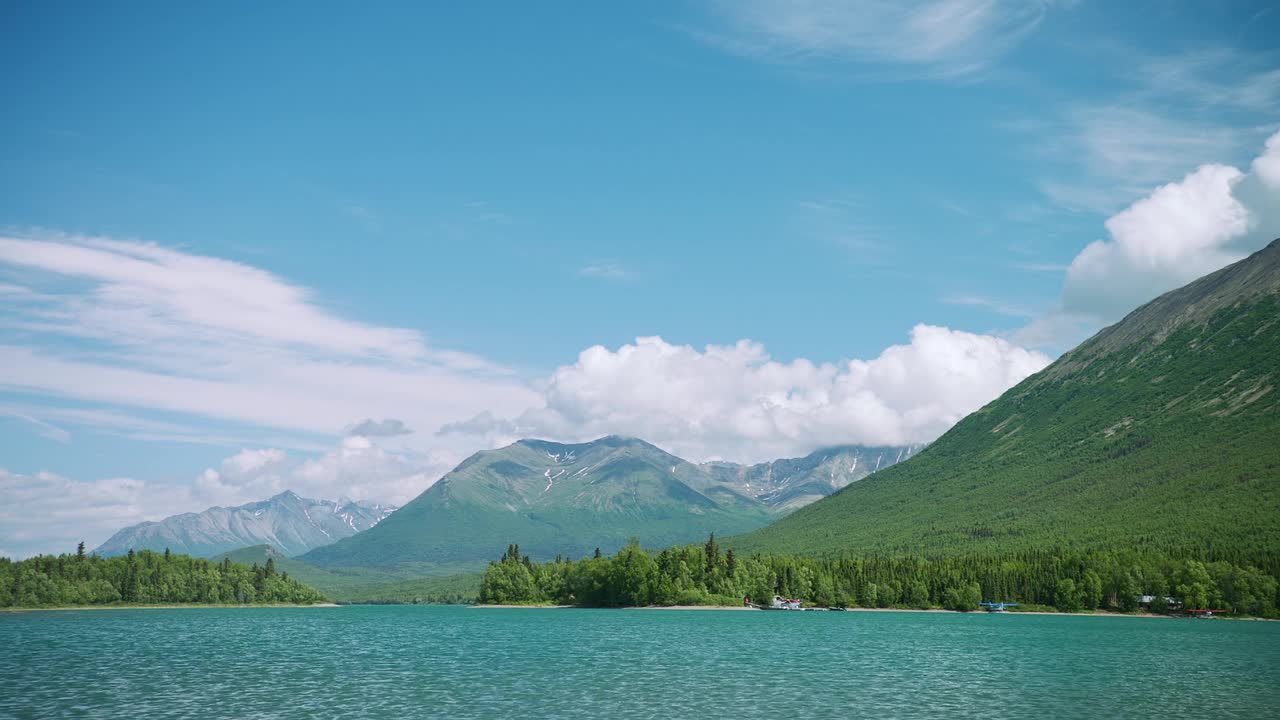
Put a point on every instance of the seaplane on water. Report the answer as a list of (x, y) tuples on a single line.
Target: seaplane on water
[(997, 607)]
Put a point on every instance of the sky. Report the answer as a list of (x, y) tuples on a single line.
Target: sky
[(337, 249)]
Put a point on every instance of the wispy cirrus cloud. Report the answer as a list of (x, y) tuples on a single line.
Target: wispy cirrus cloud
[(43, 429), (1167, 116), (1109, 155), (1000, 307), (1212, 79), (605, 271), (125, 324), (952, 39)]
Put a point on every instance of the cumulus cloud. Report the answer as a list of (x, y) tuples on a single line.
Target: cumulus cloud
[(1267, 165), (734, 401), (389, 427), (1174, 235), (939, 38), (357, 468), (48, 513), (1183, 230)]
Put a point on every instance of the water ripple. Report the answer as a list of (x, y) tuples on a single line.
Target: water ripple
[(461, 663)]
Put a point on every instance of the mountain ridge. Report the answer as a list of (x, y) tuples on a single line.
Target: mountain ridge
[(286, 521), (570, 498), (1159, 431)]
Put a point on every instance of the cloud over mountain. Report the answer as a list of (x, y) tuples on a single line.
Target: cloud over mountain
[(1182, 230), (735, 401), (44, 506)]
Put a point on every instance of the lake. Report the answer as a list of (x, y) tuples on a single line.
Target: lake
[(458, 662)]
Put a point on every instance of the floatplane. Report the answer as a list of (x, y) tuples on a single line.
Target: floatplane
[(997, 607), (781, 603)]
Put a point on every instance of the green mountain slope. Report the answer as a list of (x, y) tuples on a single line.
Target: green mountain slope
[(1162, 431), (552, 499), (363, 585)]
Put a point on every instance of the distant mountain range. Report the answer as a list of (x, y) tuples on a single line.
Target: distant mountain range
[(569, 499), (1161, 431), (792, 483), (287, 522)]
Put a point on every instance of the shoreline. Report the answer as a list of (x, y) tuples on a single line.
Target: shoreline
[(1097, 613), (493, 606), (184, 606)]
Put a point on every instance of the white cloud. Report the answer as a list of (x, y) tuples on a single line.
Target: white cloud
[(162, 330), (151, 293), (362, 470), (1212, 79), (390, 427), (1267, 165), (604, 271), (735, 402), (132, 335), (42, 428), (938, 38), (1165, 116), (1167, 239), (999, 307), (1183, 230), (47, 513), (357, 468), (1115, 153)]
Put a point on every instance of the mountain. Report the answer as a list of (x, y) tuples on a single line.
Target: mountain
[(792, 483), (551, 498), (1161, 431), (288, 522), (363, 585)]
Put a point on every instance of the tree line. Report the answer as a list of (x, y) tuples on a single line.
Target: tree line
[(144, 577), (1066, 580)]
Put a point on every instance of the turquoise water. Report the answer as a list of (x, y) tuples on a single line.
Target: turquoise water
[(455, 662)]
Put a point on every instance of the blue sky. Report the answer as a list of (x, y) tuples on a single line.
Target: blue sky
[(426, 213)]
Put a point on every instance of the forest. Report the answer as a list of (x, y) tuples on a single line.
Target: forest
[(144, 578), (1068, 581)]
